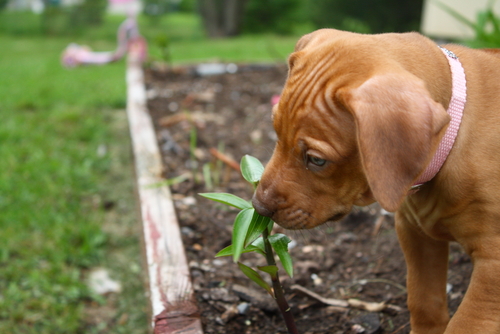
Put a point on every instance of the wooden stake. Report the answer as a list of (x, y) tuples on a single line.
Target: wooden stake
[(172, 301)]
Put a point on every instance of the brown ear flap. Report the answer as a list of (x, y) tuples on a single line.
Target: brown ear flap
[(301, 44), (303, 41), (399, 127), (314, 37)]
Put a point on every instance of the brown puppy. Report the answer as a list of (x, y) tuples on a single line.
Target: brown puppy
[(359, 120)]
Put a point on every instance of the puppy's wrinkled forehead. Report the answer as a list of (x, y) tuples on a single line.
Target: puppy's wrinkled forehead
[(303, 92), (307, 96), (322, 64)]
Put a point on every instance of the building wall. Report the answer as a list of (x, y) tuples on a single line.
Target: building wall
[(437, 23)]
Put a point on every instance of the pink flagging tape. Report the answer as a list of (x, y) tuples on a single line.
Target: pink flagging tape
[(174, 309)]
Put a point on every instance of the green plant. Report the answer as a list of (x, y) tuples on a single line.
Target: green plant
[(213, 171), (155, 9), (375, 16), (162, 41), (3, 4), (193, 140), (60, 20), (278, 16), (486, 28), (252, 233), (193, 162)]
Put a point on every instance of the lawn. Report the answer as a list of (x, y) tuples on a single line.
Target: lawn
[(66, 181), (189, 46), (63, 134)]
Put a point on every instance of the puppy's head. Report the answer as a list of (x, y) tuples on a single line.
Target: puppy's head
[(352, 129)]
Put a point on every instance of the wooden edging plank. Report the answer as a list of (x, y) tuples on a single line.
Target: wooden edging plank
[(174, 309)]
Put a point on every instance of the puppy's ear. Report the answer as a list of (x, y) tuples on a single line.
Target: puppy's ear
[(317, 36), (299, 46), (399, 127), (303, 41)]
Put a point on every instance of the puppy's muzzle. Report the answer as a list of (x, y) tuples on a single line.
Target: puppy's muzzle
[(261, 208)]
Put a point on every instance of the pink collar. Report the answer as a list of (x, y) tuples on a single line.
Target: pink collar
[(455, 109)]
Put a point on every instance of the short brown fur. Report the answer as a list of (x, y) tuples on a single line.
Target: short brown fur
[(358, 121)]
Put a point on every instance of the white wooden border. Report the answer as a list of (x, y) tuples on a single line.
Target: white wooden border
[(174, 308)]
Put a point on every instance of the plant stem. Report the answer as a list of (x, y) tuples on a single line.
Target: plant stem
[(279, 295)]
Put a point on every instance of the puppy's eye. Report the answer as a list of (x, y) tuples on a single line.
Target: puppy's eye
[(316, 161)]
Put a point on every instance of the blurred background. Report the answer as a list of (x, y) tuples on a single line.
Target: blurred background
[(68, 215)]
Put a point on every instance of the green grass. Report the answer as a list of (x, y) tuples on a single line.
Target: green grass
[(51, 187), (188, 44), (57, 183), (265, 48)]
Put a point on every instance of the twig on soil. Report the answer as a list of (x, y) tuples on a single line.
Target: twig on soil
[(380, 280), (196, 118), (354, 303), (401, 328), (172, 120), (377, 225), (225, 159)]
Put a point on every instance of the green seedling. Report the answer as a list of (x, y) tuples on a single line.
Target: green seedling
[(212, 171), (193, 141), (207, 176), (252, 233), (218, 166), (171, 182), (162, 41)]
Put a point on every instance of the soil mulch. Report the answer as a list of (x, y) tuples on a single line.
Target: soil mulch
[(358, 257)]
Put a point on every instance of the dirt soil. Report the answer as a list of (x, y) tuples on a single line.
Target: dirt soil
[(354, 258)]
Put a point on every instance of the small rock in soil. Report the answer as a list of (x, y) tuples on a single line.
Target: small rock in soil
[(230, 313), (256, 298), (243, 308), (219, 294), (369, 323), (100, 282)]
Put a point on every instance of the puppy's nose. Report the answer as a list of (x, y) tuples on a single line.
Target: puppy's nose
[(261, 208)]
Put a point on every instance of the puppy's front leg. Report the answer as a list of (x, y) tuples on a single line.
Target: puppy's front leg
[(427, 266), (479, 311)]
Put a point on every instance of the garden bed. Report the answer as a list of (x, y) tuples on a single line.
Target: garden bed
[(196, 117)]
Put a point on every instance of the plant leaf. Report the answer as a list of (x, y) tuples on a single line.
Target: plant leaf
[(271, 270), (270, 227), (228, 251), (171, 182), (255, 276), (251, 169), (240, 230), (228, 199), (207, 176), (257, 226), (280, 245), (259, 243)]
